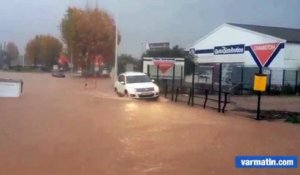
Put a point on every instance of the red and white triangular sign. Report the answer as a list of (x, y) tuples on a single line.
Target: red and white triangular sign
[(164, 65), (264, 52)]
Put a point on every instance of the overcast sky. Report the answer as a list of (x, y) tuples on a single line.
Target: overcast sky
[(179, 22)]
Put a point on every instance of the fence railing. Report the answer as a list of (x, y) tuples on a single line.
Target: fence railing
[(215, 83)]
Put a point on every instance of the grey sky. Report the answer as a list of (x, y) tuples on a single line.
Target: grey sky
[(179, 22)]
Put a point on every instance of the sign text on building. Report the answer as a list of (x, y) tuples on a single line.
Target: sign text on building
[(230, 49), (158, 46)]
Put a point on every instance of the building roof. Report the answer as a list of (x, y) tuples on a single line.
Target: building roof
[(289, 34)]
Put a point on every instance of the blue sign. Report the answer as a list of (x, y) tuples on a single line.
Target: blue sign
[(230, 49)]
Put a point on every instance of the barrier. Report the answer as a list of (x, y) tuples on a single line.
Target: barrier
[(207, 98), (11, 88)]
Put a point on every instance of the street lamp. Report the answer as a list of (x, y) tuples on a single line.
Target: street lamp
[(116, 49), (116, 40)]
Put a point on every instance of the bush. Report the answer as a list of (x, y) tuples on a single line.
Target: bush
[(288, 90), (293, 119)]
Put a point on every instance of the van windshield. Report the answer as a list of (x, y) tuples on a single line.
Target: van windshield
[(138, 79)]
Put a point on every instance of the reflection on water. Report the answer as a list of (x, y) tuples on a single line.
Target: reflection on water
[(143, 106), (131, 106)]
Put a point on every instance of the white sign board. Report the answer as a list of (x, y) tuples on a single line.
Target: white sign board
[(10, 89), (164, 67), (158, 46)]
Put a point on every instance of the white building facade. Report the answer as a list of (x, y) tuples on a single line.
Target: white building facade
[(231, 43), (275, 49)]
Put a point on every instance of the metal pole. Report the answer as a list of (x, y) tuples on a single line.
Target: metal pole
[(212, 77), (283, 79), (270, 81), (296, 82), (220, 87), (166, 90), (193, 84), (23, 60), (116, 48), (242, 80), (225, 102), (258, 99), (181, 76), (173, 82), (206, 97), (148, 70), (190, 96), (177, 92), (157, 74)]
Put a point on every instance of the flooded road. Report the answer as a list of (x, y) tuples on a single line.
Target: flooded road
[(61, 127)]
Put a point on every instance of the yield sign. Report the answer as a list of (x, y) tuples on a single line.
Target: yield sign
[(164, 65), (264, 53)]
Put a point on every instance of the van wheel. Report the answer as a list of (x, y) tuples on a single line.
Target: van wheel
[(126, 93)]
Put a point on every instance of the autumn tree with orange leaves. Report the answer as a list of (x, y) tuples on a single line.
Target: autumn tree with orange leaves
[(43, 50), (88, 33)]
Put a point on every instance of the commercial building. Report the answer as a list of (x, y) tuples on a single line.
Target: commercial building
[(276, 49)]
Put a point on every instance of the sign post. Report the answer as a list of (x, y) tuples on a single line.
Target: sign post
[(263, 55), (260, 84)]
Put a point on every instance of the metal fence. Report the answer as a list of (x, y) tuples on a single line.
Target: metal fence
[(280, 81), (238, 79), (216, 85)]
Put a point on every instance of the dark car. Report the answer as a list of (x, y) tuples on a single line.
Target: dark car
[(58, 73)]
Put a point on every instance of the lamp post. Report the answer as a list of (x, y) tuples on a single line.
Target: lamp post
[(116, 50), (116, 42)]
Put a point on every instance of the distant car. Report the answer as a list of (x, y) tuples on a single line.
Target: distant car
[(136, 85), (105, 72), (79, 72), (58, 73)]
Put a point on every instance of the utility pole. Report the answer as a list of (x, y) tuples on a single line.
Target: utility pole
[(96, 4), (116, 44), (116, 51), (23, 62)]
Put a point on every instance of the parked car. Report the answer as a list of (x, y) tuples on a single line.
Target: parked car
[(105, 72), (136, 85), (58, 73)]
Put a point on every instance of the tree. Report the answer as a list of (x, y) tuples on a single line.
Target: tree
[(12, 51), (44, 50), (176, 51), (88, 33), (125, 59)]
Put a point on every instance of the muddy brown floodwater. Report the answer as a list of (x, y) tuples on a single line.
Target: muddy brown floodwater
[(58, 127)]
